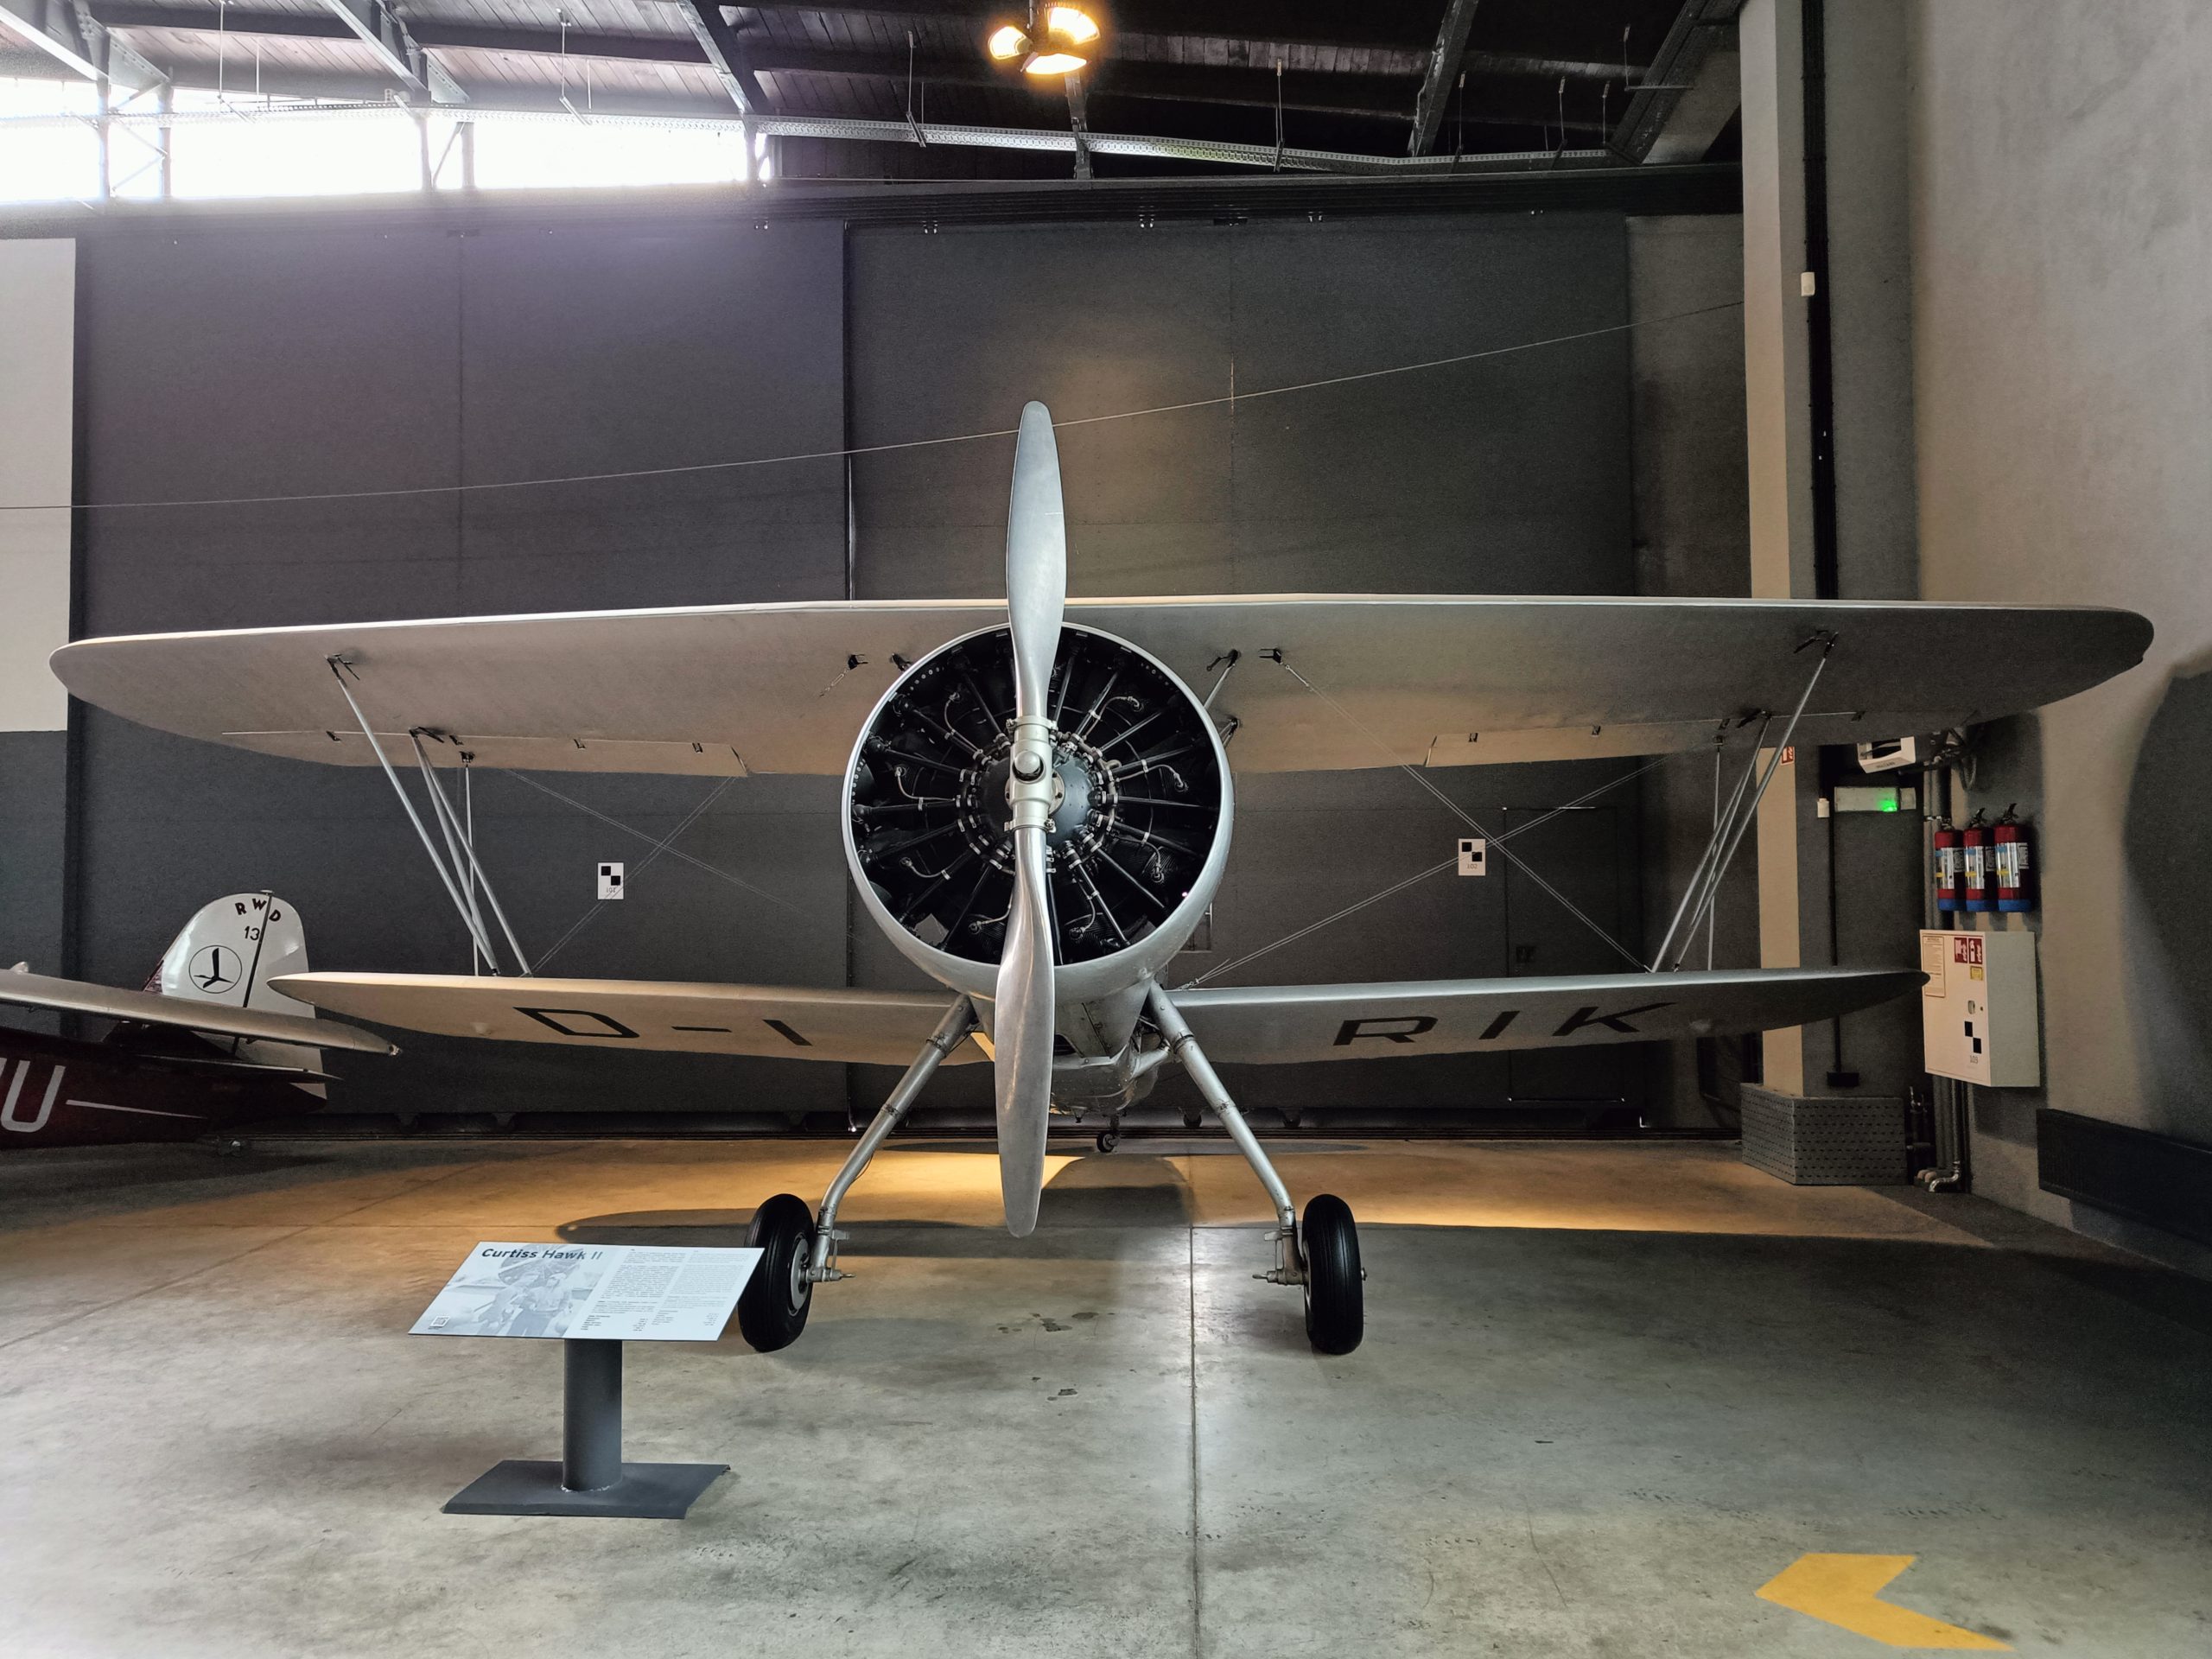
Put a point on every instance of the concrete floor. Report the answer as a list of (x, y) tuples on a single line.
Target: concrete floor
[(1607, 1392)]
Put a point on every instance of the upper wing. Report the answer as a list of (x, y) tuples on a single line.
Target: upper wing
[(1433, 680), (1261, 1024), (214, 1018), (867, 1027)]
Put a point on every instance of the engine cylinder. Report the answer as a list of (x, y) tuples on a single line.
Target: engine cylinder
[(1140, 799)]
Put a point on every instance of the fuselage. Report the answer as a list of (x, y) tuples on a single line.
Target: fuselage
[(58, 1091)]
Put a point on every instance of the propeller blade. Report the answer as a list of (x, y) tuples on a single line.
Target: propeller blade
[(1022, 1038), (1036, 561), (1024, 1006)]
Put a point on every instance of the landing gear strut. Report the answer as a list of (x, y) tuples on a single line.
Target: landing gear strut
[(1322, 1255), (799, 1254)]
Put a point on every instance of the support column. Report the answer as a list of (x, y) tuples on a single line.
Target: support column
[(38, 296), (1778, 406), (1828, 385), (166, 102)]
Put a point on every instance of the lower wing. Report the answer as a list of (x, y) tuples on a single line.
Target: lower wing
[(1273, 1024), (1240, 1024), (780, 1022), (28, 990)]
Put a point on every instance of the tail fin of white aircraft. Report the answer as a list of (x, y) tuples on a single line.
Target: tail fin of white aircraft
[(228, 953)]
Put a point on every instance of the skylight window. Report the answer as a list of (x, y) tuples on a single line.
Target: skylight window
[(229, 145)]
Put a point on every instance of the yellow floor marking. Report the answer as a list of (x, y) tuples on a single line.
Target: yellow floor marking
[(1845, 1590)]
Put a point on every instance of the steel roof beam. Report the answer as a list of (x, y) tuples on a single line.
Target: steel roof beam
[(1700, 112), (731, 56), (1699, 28), (397, 49), (858, 129), (1314, 22), (1444, 60), (1361, 91), (69, 33)]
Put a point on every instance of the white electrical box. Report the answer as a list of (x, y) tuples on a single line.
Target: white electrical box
[(1978, 1017), (1889, 756)]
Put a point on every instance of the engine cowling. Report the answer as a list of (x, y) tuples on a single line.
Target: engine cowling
[(1139, 830)]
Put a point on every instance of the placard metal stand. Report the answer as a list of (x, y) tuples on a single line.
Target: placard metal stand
[(591, 1478)]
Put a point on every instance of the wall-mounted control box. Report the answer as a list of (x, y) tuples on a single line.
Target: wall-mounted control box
[(1979, 1022)]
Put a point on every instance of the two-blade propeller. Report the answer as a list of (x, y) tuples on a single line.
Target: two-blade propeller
[(1023, 1015)]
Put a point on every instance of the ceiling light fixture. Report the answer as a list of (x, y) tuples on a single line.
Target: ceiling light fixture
[(1060, 42)]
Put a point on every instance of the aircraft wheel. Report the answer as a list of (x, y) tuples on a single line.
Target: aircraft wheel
[(772, 1310), (1108, 1139), (1335, 1298)]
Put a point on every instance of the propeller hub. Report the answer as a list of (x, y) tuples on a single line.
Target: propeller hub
[(1077, 771)]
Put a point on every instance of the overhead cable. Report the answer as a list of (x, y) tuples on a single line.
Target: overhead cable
[(873, 448)]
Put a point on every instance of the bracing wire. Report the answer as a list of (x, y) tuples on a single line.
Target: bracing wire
[(676, 853), (874, 448), (1467, 818), (1415, 879), (666, 845)]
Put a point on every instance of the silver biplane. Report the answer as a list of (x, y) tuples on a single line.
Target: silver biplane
[(1037, 811)]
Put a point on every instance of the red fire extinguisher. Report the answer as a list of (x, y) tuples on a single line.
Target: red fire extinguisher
[(2009, 846), (1976, 892), (1947, 867)]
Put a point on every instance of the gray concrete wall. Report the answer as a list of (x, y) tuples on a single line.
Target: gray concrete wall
[(33, 772), (1693, 538), (2061, 201), (337, 358)]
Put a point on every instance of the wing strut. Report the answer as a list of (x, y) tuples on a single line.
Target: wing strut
[(460, 844), (1729, 827)]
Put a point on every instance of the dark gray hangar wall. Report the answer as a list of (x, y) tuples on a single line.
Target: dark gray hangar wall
[(340, 357)]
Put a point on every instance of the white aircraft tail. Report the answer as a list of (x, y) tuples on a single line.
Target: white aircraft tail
[(228, 953)]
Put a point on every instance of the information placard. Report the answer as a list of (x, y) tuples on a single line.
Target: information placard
[(620, 1293)]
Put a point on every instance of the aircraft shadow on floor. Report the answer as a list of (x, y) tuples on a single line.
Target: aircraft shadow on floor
[(1087, 1198)]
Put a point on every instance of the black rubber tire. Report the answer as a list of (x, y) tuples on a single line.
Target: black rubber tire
[(772, 1311), (1336, 1302), (1108, 1139)]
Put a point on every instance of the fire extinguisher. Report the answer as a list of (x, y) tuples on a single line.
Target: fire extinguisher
[(1976, 892), (1947, 867), (2009, 845)]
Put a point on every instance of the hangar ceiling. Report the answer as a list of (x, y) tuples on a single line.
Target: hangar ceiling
[(903, 88)]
